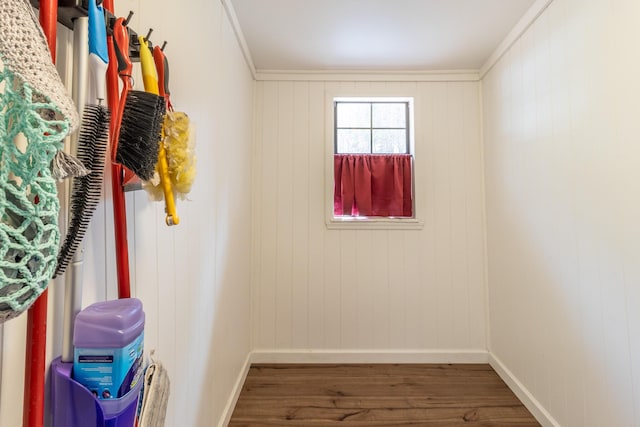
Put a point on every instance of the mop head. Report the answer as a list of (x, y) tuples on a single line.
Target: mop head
[(179, 143), (155, 397), (66, 166)]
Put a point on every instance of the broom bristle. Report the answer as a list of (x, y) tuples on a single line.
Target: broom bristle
[(140, 133), (86, 190)]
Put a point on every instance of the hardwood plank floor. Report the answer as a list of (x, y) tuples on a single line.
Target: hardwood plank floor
[(377, 395)]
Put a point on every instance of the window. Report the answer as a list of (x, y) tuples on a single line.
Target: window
[(372, 166), (380, 127)]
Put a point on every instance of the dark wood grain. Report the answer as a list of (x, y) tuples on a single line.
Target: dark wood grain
[(377, 395)]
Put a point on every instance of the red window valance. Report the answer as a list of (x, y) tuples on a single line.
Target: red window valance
[(372, 185)]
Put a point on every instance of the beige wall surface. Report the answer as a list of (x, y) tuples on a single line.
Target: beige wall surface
[(561, 133), (322, 289)]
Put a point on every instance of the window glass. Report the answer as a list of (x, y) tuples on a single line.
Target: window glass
[(353, 141), (389, 141), (389, 115), (353, 115)]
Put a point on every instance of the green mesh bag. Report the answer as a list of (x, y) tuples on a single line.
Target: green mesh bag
[(36, 113), (29, 205)]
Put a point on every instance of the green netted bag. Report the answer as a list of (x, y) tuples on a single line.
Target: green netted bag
[(36, 114), (29, 205)]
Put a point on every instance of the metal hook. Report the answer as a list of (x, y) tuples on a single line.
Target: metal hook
[(163, 45), (149, 34), (126, 21)]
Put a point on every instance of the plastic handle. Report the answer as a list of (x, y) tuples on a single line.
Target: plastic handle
[(162, 67), (121, 44), (97, 72), (148, 68), (98, 53), (172, 217), (97, 32)]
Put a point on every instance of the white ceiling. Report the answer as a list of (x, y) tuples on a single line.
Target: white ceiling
[(379, 35)]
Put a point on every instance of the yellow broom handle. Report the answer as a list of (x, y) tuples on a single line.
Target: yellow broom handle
[(150, 79)]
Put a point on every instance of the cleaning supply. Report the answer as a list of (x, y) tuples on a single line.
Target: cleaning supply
[(117, 170), (108, 347), (93, 139), (35, 116), (162, 167), (64, 166), (155, 396), (179, 141), (140, 115)]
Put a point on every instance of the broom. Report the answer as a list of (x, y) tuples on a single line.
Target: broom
[(92, 142), (140, 115)]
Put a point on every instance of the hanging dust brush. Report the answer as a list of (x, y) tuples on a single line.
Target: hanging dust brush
[(179, 139), (35, 116)]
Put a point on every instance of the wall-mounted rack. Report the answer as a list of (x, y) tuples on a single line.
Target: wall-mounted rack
[(69, 10)]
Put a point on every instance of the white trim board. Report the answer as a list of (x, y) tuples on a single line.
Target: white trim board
[(532, 404), (370, 356), (369, 75), (235, 393), (514, 35), (237, 30)]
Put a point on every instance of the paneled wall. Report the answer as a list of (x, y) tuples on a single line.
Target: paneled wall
[(561, 125), (316, 289), (193, 279)]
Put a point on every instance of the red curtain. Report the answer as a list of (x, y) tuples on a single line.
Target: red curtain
[(372, 185)]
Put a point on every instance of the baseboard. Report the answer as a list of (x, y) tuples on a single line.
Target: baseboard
[(522, 393), (237, 388), (370, 356)]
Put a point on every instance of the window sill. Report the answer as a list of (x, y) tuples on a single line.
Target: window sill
[(364, 223)]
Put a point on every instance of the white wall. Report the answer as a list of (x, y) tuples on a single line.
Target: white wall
[(561, 125), (193, 279), (367, 291)]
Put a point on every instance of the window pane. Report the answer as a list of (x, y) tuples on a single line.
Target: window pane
[(353, 141), (353, 115), (389, 115), (390, 141)]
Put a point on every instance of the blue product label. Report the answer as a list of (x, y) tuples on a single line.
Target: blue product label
[(109, 372)]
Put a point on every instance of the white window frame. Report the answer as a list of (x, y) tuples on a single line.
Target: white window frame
[(370, 223)]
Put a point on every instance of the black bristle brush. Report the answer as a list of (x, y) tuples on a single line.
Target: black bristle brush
[(141, 115), (93, 141)]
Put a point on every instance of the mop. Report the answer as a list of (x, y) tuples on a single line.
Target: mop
[(155, 395)]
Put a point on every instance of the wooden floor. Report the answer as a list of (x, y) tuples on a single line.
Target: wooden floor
[(377, 395)]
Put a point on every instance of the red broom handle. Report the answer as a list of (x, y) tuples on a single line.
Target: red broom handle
[(35, 352), (48, 21), (119, 207)]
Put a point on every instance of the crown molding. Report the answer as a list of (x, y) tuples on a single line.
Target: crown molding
[(237, 30), (514, 35)]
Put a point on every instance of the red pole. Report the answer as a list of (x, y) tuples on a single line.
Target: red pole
[(35, 353), (117, 171), (33, 405)]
